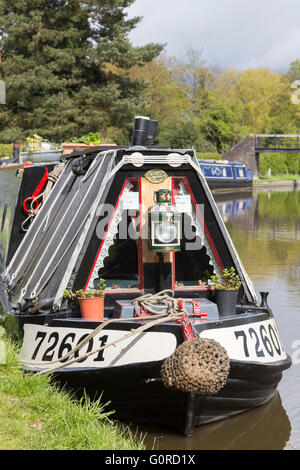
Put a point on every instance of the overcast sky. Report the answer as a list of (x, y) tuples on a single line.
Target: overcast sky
[(235, 33)]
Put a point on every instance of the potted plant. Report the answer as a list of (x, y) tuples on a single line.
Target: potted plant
[(92, 139), (91, 303), (226, 291)]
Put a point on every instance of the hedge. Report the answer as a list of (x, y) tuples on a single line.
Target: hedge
[(6, 150), (208, 156), (279, 164)]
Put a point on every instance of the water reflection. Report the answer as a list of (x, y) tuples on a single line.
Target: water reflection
[(265, 228), (272, 213), (265, 428)]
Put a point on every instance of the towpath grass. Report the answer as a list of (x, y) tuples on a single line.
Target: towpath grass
[(274, 178), (35, 415)]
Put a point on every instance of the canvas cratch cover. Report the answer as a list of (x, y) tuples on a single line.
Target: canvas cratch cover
[(47, 260), (47, 256)]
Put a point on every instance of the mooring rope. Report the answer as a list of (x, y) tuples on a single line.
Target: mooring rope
[(173, 311)]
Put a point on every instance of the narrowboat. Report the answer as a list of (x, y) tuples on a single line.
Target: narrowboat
[(140, 225), (223, 175), (45, 152)]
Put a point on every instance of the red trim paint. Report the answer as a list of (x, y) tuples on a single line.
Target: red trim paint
[(204, 225), (207, 233), (102, 241)]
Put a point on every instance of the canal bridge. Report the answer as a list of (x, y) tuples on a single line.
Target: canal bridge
[(247, 151)]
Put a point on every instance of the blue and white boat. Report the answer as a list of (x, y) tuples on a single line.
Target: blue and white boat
[(225, 175)]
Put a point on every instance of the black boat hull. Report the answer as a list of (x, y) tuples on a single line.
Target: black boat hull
[(135, 391), (136, 394), (219, 185)]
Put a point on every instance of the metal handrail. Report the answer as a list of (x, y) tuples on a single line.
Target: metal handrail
[(283, 142)]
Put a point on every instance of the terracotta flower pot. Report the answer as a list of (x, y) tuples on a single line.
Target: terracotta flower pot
[(92, 308), (70, 146)]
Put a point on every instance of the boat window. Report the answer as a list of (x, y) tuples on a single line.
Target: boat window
[(118, 260), (197, 260)]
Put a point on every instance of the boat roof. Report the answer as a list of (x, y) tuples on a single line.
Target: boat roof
[(53, 252)]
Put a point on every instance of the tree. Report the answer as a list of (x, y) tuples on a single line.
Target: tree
[(66, 66), (294, 71), (292, 78), (221, 124), (164, 99), (193, 76)]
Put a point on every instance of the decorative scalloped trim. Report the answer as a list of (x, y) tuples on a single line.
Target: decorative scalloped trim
[(109, 238), (200, 232)]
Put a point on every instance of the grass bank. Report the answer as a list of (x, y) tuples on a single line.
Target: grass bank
[(36, 415), (280, 177)]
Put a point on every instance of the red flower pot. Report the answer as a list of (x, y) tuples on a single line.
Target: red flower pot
[(92, 308)]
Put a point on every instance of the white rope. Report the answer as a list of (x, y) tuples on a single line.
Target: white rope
[(170, 312)]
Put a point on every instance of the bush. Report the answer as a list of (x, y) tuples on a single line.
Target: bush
[(179, 134), (6, 150), (279, 163), (293, 163), (208, 156), (90, 138)]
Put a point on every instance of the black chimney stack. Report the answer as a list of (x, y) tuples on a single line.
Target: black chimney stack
[(144, 129)]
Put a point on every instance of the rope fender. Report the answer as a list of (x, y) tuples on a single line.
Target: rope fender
[(199, 366)]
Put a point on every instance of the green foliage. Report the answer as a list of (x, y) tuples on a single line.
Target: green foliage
[(36, 415), (220, 124), (81, 294), (229, 280), (212, 110), (179, 134), (68, 294), (279, 163), (90, 138), (208, 156), (65, 65), (70, 70), (183, 134), (294, 71), (6, 150)]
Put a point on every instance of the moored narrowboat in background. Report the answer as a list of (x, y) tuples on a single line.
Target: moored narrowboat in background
[(44, 153), (143, 220), (225, 175)]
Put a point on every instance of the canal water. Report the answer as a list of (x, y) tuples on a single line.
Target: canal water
[(265, 228)]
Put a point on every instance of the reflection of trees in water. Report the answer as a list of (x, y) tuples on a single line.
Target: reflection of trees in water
[(277, 213), (279, 205), (270, 246)]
